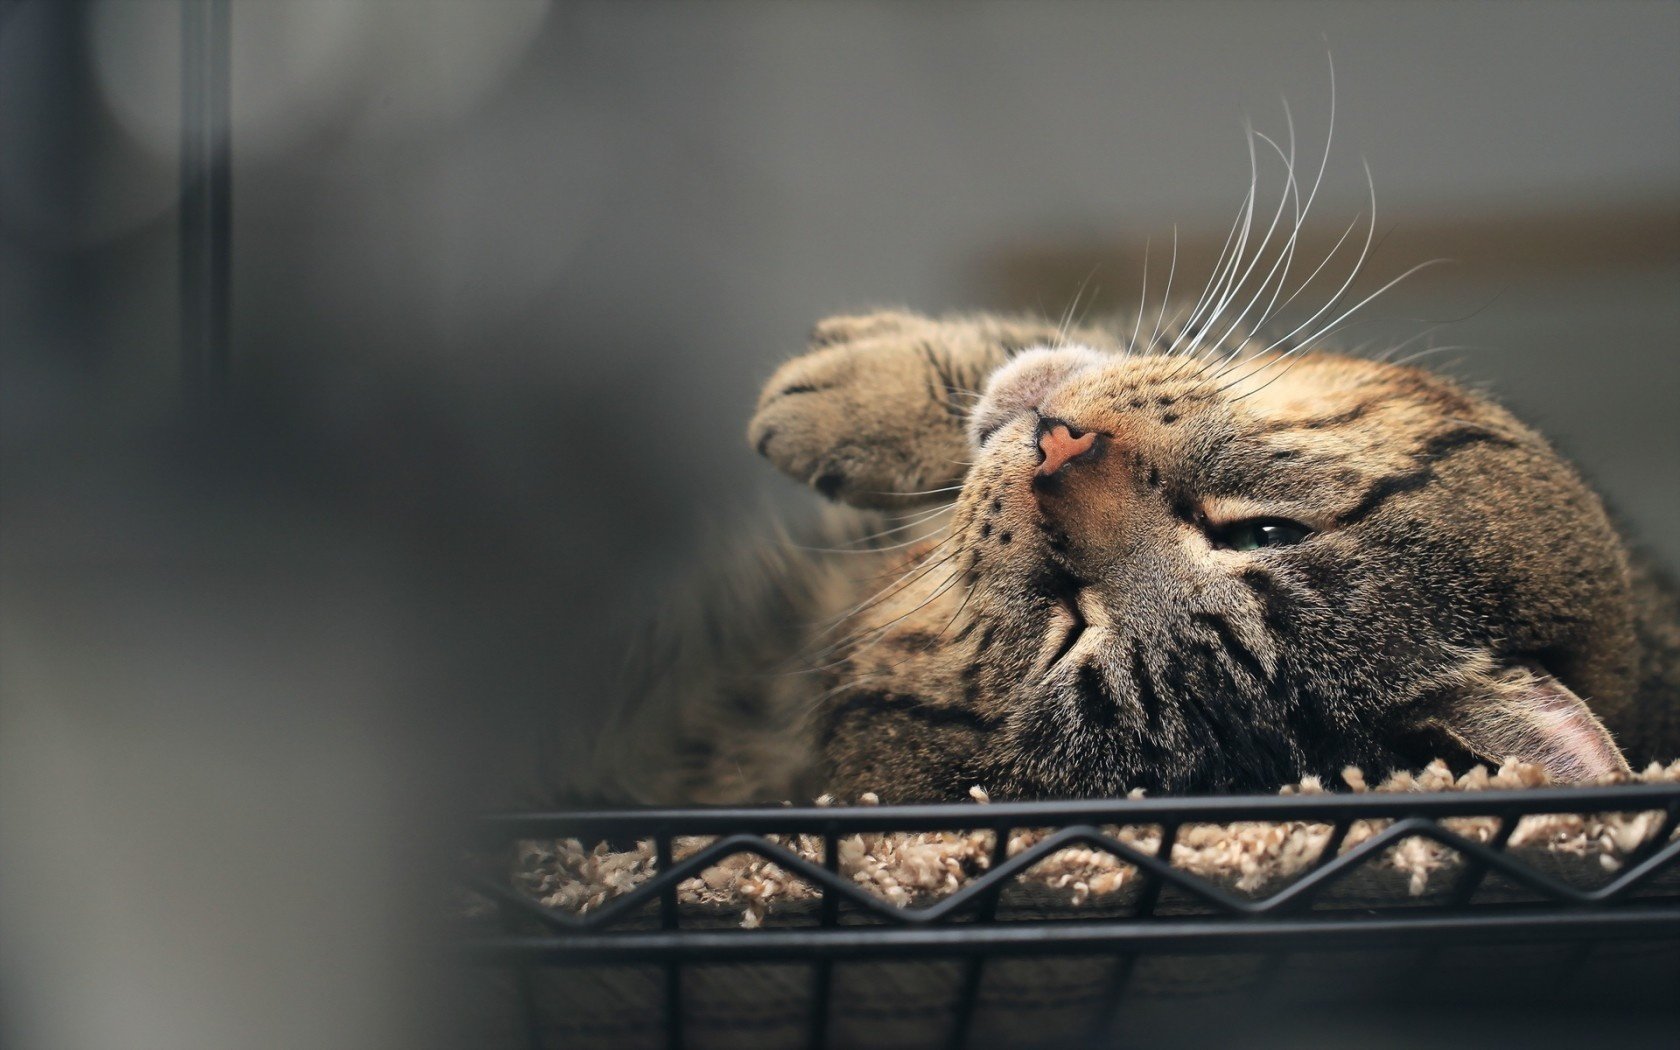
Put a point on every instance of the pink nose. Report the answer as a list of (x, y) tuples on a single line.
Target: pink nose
[(1059, 443)]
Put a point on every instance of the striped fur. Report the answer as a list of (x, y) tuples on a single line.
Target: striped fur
[(1457, 568)]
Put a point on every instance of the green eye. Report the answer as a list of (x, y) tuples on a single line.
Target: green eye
[(1255, 533)]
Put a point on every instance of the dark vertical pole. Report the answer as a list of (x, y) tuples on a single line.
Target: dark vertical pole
[(668, 916), (1273, 964), (1474, 870), (524, 983), (1426, 962), (206, 198), (974, 970), (822, 974), (1108, 1010)]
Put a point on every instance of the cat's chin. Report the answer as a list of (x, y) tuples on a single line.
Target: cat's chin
[(1062, 633), (1072, 622)]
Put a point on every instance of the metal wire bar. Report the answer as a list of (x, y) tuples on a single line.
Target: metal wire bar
[(523, 979), (1120, 982), (1272, 925), (975, 970), (1644, 921), (668, 915), (1475, 871), (1664, 831), (822, 972), (641, 823), (1273, 964), (1151, 894), (1427, 958), (978, 889)]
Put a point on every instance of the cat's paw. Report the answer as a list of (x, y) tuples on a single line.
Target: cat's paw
[(866, 416), (853, 328)]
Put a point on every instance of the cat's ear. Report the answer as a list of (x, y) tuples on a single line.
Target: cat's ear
[(1521, 712)]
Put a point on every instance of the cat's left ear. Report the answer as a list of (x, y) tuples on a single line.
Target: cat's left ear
[(1523, 713)]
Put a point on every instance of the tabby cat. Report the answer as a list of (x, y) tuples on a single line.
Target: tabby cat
[(1164, 555)]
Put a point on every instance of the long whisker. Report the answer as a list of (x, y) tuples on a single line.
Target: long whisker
[(1388, 354), (1068, 315), (910, 522), (1305, 343), (1318, 180), (1254, 260), (921, 492), (1335, 299), (894, 571), (1283, 256), (940, 634), (1409, 358), (909, 577), (1155, 332), (852, 642), (1287, 256), (1218, 268), (1361, 304), (874, 549), (1217, 290), (1143, 297), (1305, 209)]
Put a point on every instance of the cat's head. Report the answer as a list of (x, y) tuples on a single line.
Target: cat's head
[(1196, 574)]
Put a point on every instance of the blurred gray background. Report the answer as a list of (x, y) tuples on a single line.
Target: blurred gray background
[(506, 278)]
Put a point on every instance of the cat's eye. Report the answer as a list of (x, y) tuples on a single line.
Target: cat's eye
[(1255, 533)]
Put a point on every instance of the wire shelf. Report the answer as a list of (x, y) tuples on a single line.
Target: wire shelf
[(849, 925)]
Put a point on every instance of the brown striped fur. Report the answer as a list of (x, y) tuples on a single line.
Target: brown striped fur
[(1462, 592)]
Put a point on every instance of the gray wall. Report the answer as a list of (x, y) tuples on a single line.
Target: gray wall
[(661, 199), (676, 192)]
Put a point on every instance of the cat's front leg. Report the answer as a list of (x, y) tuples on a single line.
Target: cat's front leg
[(874, 413)]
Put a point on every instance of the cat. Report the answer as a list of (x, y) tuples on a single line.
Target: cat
[(1182, 572), (1167, 555)]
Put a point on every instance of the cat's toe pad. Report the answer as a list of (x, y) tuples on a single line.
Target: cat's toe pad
[(855, 423)]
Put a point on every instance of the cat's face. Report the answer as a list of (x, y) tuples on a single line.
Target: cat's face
[(1185, 576)]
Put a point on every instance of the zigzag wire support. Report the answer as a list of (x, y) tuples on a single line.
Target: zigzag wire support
[(1413, 816), (964, 924), (1080, 835)]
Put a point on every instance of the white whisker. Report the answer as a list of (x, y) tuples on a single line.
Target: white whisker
[(908, 577), (1216, 302), (1298, 348), (1283, 256), (1388, 354), (1259, 252), (1155, 332), (1318, 180), (925, 515), (1409, 358), (922, 492), (852, 642), (1370, 235), (1143, 297), (1068, 315), (872, 549), (1218, 267)]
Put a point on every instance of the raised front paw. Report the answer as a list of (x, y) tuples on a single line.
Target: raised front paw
[(873, 414), (853, 328)]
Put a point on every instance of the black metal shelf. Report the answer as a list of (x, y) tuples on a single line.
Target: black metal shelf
[(848, 923), (1078, 937)]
